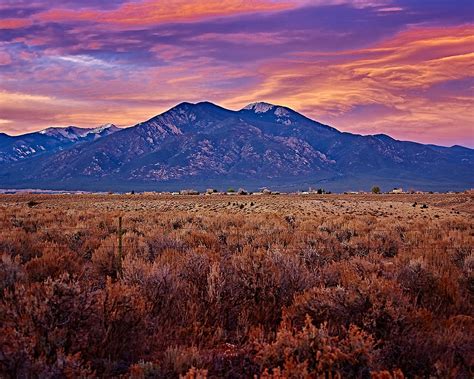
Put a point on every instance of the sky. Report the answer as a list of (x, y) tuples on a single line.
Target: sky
[(399, 67)]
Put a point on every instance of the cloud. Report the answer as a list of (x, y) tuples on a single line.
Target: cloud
[(156, 11), (399, 75), (392, 66), (84, 60), (21, 110), (14, 23), (5, 58), (258, 38)]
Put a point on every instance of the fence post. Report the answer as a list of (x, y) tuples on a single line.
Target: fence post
[(368, 244), (120, 233)]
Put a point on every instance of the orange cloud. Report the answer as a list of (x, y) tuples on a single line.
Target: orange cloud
[(157, 11), (395, 75), (121, 99), (22, 113), (386, 87), (421, 57)]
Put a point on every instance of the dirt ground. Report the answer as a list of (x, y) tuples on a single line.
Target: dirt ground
[(406, 206)]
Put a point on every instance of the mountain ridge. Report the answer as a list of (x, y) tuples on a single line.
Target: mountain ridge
[(47, 141), (203, 144)]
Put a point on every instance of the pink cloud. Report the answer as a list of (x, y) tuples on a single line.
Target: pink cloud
[(396, 74), (129, 63), (5, 58), (156, 11), (14, 23)]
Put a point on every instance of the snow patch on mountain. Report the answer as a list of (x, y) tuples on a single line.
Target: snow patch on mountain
[(74, 133), (282, 112), (259, 107), (100, 129)]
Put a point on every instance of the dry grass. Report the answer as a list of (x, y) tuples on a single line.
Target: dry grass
[(237, 286)]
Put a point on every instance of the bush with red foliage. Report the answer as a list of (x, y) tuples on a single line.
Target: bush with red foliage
[(216, 290)]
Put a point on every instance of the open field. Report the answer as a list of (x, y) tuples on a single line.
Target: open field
[(360, 286)]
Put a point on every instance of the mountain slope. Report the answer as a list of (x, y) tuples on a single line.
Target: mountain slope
[(47, 141), (261, 145)]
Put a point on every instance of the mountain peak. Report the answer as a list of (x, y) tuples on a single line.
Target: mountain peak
[(109, 127), (75, 133), (186, 106), (259, 107), (182, 105), (195, 144), (58, 131)]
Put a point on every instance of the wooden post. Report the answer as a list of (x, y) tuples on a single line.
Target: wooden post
[(368, 240), (119, 258)]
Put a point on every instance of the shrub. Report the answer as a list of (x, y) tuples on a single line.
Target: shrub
[(286, 287), (313, 352), (376, 190)]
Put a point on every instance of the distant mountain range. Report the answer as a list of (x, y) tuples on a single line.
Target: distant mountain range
[(48, 141), (203, 145)]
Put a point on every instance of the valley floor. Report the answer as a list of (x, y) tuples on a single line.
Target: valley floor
[(235, 286)]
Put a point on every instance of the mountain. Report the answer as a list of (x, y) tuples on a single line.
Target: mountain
[(203, 145), (47, 141), (73, 133)]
